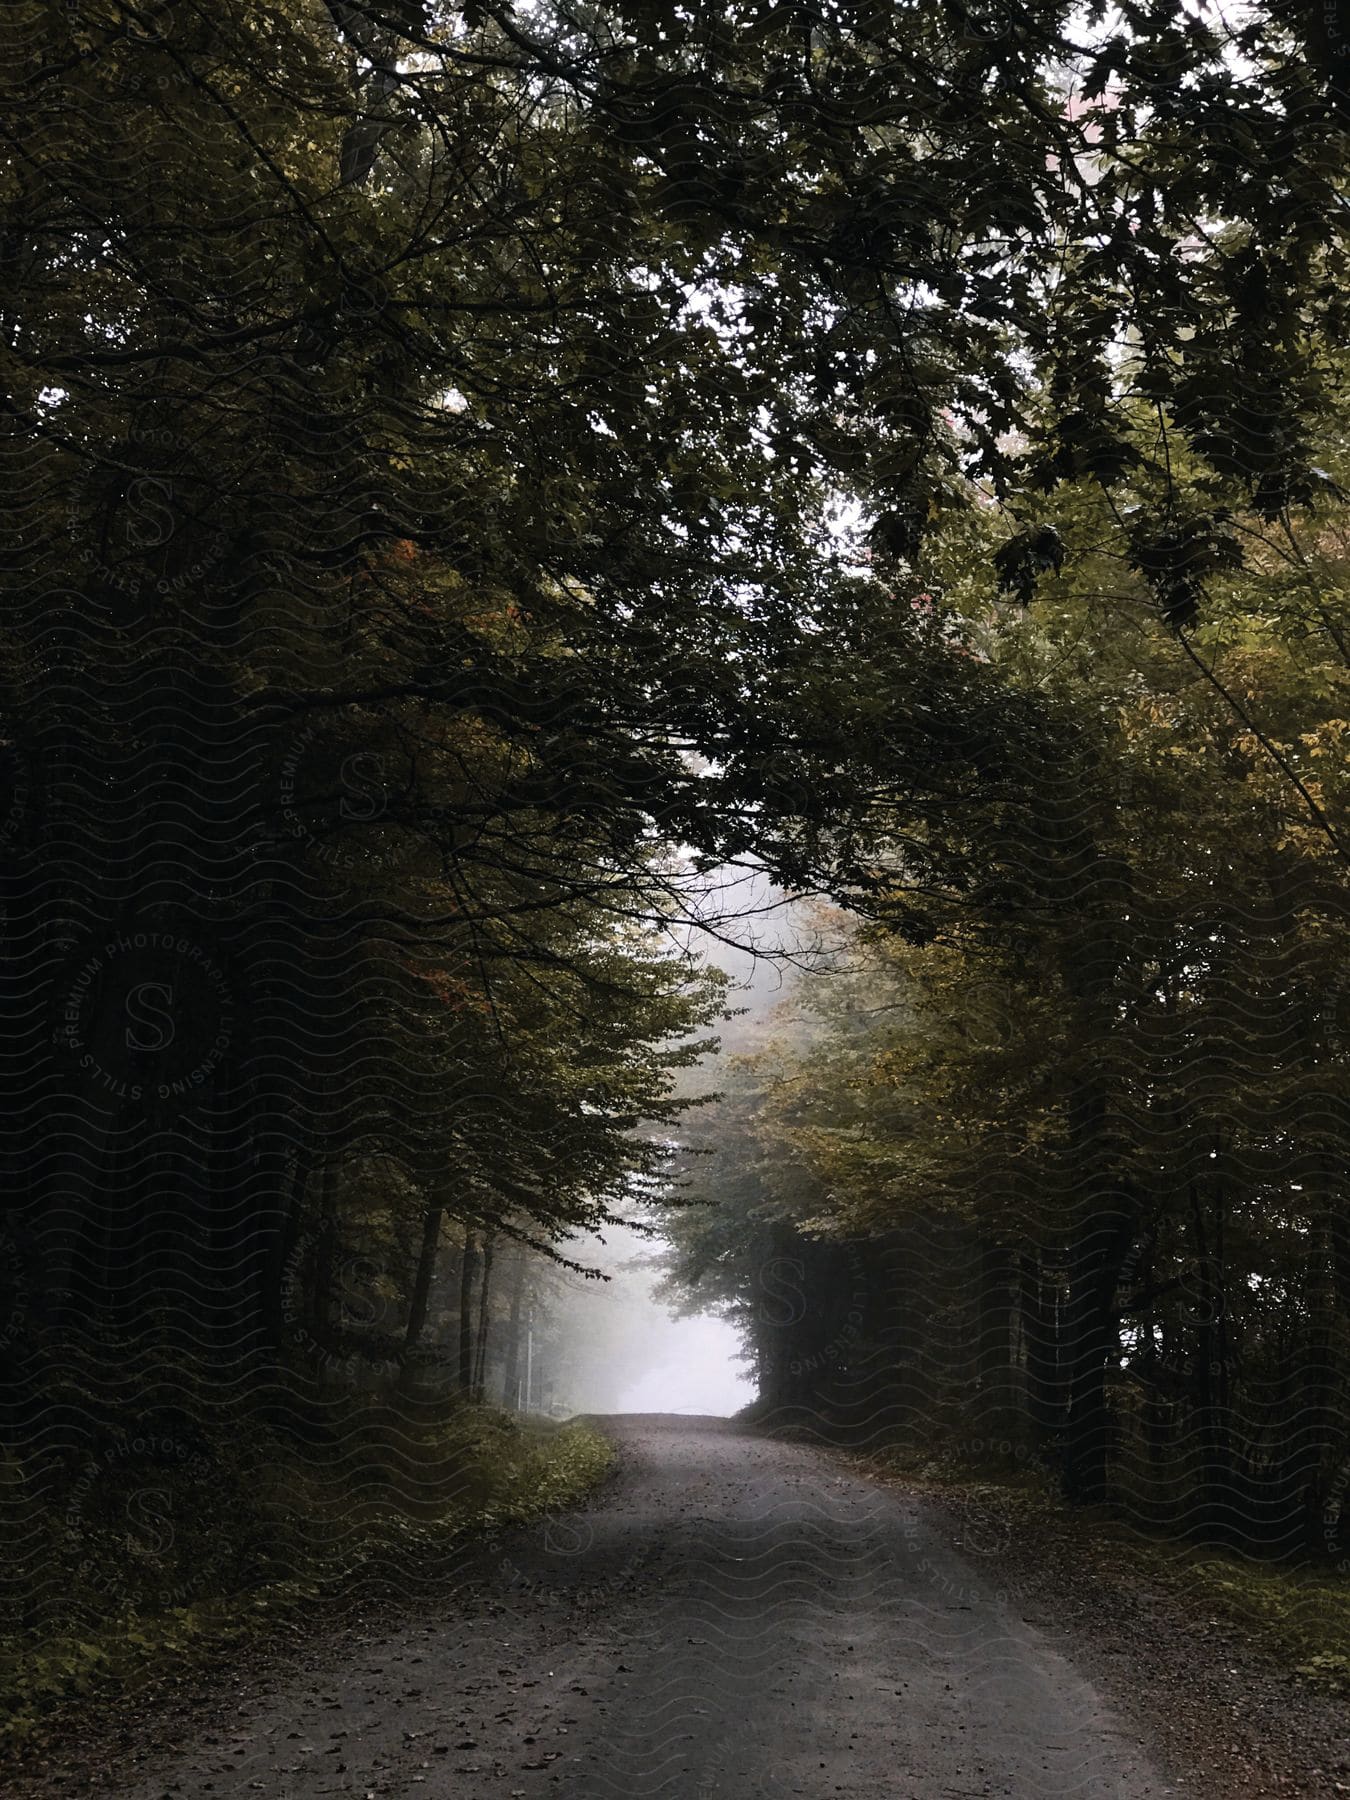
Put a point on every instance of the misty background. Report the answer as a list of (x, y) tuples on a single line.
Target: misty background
[(612, 1345)]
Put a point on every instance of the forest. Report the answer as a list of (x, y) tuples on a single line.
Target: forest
[(489, 486)]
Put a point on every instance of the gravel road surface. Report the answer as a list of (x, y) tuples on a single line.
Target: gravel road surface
[(731, 1615)]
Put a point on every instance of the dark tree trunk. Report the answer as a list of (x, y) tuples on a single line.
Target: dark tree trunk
[(511, 1373), (421, 1293), (1215, 1474), (996, 1410), (1091, 1329), (321, 1291), (1040, 1333), (484, 1321), (466, 1274)]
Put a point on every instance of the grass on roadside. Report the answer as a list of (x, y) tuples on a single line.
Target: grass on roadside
[(129, 1573), (1297, 1611)]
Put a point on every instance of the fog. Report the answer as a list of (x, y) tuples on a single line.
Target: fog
[(622, 1351), (612, 1345), (698, 1373)]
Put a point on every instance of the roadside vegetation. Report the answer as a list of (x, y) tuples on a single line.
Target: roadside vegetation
[(1296, 1613), (475, 476), (253, 1531), (1054, 1179)]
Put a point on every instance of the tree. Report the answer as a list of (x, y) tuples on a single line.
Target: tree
[(430, 429), (1104, 1097)]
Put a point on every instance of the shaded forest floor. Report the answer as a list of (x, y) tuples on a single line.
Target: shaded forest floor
[(244, 1564), (1240, 1669)]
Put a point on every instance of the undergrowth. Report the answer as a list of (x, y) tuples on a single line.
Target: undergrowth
[(1297, 1609), (164, 1544)]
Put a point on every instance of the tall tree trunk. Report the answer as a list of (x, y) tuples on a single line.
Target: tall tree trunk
[(1040, 1325), (1215, 1475), (511, 1373), (321, 1294), (421, 1293), (464, 1370), (484, 1319), (1092, 1333), (276, 1298), (1093, 887), (1316, 1448), (996, 1417), (1107, 1212)]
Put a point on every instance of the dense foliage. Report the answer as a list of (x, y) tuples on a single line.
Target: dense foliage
[(433, 438), (1063, 1185)]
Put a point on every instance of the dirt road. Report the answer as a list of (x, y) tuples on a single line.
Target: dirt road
[(731, 1616)]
